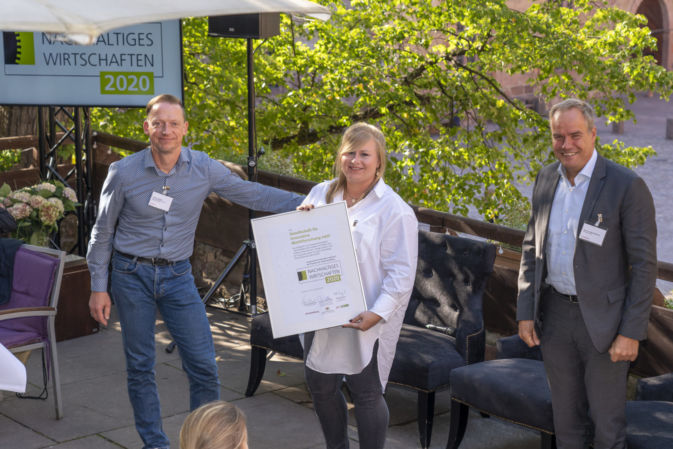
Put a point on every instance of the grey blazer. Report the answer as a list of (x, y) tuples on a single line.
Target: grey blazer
[(615, 282)]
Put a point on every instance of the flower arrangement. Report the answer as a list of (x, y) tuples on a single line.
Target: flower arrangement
[(37, 209)]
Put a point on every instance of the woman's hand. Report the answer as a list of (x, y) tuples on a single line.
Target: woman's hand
[(364, 321), (306, 207)]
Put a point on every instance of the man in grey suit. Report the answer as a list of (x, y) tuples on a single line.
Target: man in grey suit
[(586, 281)]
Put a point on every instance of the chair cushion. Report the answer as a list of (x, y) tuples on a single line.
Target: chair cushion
[(34, 275), (260, 335), (424, 359), (649, 424), (513, 389), (11, 338), (33, 279), (451, 276), (657, 388)]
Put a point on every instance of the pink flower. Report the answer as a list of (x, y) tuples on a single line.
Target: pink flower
[(58, 203), (20, 211), (70, 194), (45, 186), (36, 201), (49, 213)]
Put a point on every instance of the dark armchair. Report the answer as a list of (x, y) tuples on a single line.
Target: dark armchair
[(649, 419), (443, 326), (514, 387)]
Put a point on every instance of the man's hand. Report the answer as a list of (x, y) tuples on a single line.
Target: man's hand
[(99, 307), (527, 333), (364, 321), (623, 349)]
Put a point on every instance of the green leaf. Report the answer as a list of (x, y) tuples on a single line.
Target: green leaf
[(5, 190)]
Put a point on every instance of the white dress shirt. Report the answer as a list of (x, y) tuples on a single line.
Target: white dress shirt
[(563, 225), (385, 233)]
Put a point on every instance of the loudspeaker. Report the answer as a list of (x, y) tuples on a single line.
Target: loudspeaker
[(254, 26)]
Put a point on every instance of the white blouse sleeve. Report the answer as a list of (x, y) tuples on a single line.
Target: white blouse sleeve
[(399, 254)]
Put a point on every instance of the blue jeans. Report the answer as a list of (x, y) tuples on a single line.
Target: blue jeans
[(138, 290)]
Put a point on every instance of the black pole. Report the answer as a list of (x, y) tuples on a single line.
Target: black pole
[(252, 153), (51, 145), (89, 203), (42, 142), (248, 26), (252, 176), (79, 182)]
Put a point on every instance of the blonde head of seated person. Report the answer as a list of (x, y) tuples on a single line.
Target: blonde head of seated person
[(216, 425)]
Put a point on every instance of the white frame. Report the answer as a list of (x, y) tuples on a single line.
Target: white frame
[(310, 270)]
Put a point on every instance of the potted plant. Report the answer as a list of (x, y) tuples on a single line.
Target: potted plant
[(37, 209)]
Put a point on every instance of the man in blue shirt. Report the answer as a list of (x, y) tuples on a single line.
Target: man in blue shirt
[(149, 208)]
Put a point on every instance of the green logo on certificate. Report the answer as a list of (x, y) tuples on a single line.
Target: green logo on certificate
[(302, 275)]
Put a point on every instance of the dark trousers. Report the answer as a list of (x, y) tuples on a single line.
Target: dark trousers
[(371, 410), (588, 390)]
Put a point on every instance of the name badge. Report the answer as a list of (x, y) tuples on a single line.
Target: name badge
[(161, 201), (593, 234)]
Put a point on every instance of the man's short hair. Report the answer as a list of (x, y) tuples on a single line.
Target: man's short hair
[(573, 103), (164, 98)]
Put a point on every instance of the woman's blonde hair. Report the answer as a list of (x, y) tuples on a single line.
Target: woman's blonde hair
[(355, 136), (216, 425)]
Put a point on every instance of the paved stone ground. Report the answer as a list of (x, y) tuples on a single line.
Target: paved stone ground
[(98, 414)]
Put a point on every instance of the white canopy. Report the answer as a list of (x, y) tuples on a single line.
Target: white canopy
[(83, 20)]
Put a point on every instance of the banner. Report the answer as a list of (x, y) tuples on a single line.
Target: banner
[(124, 67)]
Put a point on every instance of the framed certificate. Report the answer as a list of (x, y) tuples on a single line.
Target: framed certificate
[(309, 268)]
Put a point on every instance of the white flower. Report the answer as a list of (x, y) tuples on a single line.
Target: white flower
[(20, 195), (70, 194), (45, 186)]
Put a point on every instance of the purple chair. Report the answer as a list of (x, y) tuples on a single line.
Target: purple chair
[(27, 320)]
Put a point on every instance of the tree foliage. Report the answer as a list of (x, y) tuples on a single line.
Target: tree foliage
[(426, 72)]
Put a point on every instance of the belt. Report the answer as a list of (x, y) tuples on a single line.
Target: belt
[(570, 298), (147, 260)]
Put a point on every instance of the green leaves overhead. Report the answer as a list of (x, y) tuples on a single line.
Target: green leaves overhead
[(430, 74)]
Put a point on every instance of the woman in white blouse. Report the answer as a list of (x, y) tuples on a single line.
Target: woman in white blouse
[(385, 232)]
